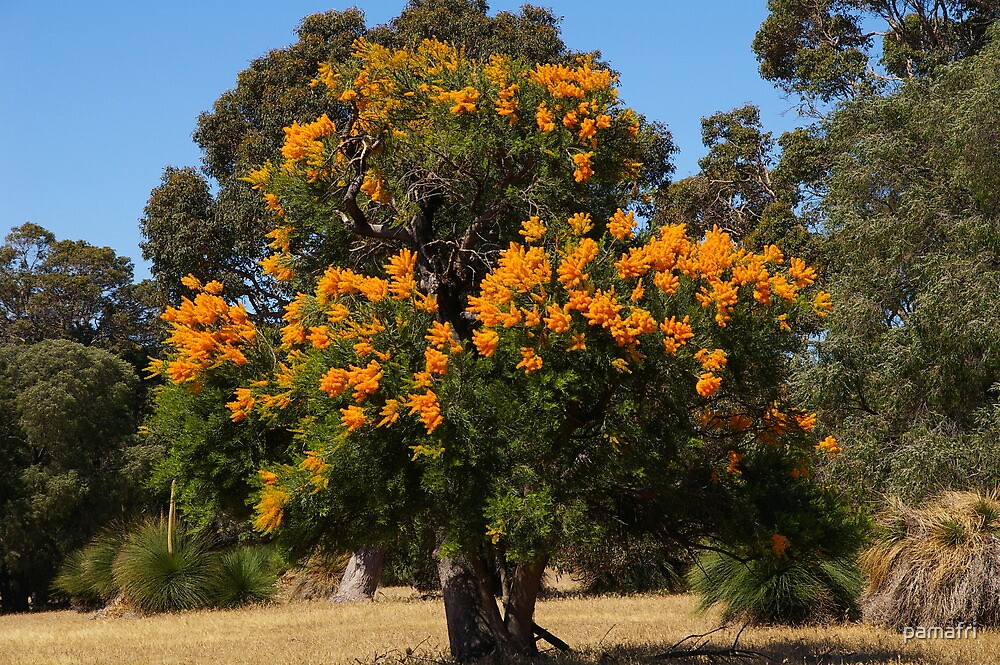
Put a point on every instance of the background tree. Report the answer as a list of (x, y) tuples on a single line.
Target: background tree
[(65, 289), (758, 195), (69, 455), (830, 50), (907, 370)]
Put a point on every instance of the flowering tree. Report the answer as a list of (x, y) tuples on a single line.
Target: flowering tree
[(530, 359)]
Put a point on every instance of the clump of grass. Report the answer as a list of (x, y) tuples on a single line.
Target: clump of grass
[(936, 564), (776, 590), (247, 574), (86, 575), (153, 579)]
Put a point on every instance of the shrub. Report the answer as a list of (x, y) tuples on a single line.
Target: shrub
[(936, 564), (247, 574), (86, 575), (155, 580), (777, 589)]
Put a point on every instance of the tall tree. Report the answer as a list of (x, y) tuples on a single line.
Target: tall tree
[(908, 368), (831, 50), (72, 290), (189, 231), (522, 371), (68, 452)]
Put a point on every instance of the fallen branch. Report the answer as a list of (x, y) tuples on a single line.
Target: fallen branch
[(541, 633), (733, 652)]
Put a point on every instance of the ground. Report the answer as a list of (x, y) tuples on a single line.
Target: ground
[(401, 627)]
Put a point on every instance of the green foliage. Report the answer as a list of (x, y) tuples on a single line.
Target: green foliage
[(65, 289), (826, 50), (247, 574), (214, 460), (777, 590), (70, 459), (906, 369), (86, 574), (153, 579)]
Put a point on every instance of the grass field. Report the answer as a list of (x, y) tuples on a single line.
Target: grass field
[(600, 630)]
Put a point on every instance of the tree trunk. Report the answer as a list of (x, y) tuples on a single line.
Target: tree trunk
[(519, 608), (360, 580), (468, 633)]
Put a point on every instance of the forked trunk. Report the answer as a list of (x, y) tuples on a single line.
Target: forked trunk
[(469, 636), (360, 580), (513, 632)]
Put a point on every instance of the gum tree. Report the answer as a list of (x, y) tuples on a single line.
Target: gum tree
[(530, 361)]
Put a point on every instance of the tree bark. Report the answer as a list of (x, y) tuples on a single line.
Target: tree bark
[(469, 636), (519, 610), (360, 580)]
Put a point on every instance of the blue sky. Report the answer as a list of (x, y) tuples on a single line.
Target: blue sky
[(98, 97)]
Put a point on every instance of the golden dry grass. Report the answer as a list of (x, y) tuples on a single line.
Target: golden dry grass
[(604, 629)]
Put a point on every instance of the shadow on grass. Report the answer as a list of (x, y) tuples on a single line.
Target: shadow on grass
[(788, 652)]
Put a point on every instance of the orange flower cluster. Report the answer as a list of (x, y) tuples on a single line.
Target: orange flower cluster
[(520, 292), (829, 446), (463, 101), (302, 142), (571, 82), (270, 508), (204, 332)]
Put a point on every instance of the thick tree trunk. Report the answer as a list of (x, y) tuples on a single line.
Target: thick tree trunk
[(468, 634), (519, 607), (360, 580)]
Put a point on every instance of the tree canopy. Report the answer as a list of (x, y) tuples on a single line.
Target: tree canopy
[(908, 367), (66, 289), (67, 445), (528, 360), (830, 50)]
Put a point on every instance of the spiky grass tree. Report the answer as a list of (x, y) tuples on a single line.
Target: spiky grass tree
[(154, 579), (936, 564), (777, 590), (247, 574)]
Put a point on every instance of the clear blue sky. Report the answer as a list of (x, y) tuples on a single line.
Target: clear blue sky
[(98, 97)]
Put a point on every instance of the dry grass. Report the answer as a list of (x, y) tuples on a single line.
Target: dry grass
[(936, 564), (605, 629)]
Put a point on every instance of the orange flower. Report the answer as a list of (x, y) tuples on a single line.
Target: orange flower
[(622, 225), (427, 406), (708, 384), (529, 360), (270, 508), (829, 446), (545, 119), (823, 303), (559, 318), (532, 229), (584, 169), (486, 341), (435, 361), (713, 361), (352, 417)]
